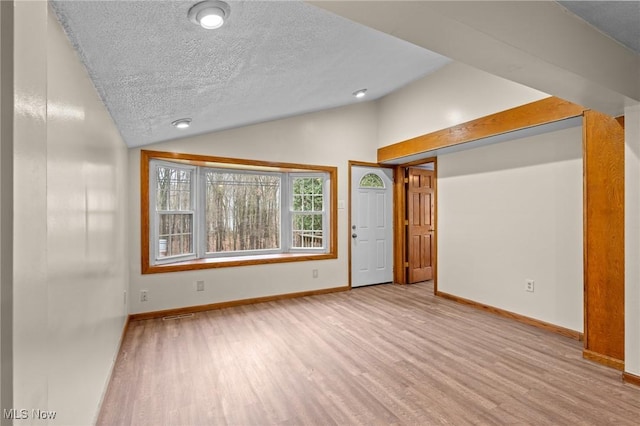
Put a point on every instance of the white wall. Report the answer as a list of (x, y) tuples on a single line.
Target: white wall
[(510, 212), (454, 94), (69, 205), (6, 207), (632, 240), (30, 345), (329, 138)]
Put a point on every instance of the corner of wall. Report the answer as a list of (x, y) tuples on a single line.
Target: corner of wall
[(632, 239)]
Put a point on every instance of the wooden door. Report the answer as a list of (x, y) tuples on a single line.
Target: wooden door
[(420, 228)]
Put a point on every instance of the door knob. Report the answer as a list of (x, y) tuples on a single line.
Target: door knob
[(354, 235)]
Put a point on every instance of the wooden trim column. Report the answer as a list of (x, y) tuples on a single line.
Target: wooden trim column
[(400, 230), (603, 145)]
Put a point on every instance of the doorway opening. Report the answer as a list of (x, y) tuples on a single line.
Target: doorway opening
[(416, 218)]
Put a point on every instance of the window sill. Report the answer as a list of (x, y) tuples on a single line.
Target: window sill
[(226, 262)]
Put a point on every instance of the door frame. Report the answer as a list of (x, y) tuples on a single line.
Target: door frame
[(401, 256), (394, 234)]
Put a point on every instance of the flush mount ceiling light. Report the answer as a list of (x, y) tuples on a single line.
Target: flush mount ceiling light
[(209, 14), (360, 93), (182, 123)]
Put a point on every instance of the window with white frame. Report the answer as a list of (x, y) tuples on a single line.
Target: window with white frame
[(174, 213), (216, 211), (308, 211)]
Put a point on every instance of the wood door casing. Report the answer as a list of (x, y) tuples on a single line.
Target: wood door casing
[(420, 227)]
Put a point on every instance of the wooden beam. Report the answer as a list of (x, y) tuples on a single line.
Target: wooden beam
[(545, 111)]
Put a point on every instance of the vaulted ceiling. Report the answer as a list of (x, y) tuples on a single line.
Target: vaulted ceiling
[(271, 59), (620, 20), (275, 59)]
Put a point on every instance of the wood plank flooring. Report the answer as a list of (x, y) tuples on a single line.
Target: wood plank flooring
[(376, 355)]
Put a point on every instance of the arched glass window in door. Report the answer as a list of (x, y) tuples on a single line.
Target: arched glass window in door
[(371, 180)]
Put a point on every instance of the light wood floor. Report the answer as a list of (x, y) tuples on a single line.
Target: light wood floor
[(375, 355)]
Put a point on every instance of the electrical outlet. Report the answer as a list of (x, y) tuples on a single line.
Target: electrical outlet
[(315, 273), (530, 286), (144, 295), (199, 285)]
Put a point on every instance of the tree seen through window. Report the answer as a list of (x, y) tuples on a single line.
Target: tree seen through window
[(307, 216), (242, 211)]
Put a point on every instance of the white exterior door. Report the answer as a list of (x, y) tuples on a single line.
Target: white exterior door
[(371, 226)]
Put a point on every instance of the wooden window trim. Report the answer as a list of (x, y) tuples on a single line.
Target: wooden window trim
[(209, 263)]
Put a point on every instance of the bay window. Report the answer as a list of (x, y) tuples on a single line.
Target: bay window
[(204, 212)]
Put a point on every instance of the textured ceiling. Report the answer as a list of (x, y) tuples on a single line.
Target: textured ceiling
[(620, 20), (272, 59)]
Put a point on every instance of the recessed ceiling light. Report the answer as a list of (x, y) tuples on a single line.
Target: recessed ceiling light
[(360, 93), (182, 123), (209, 14)]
